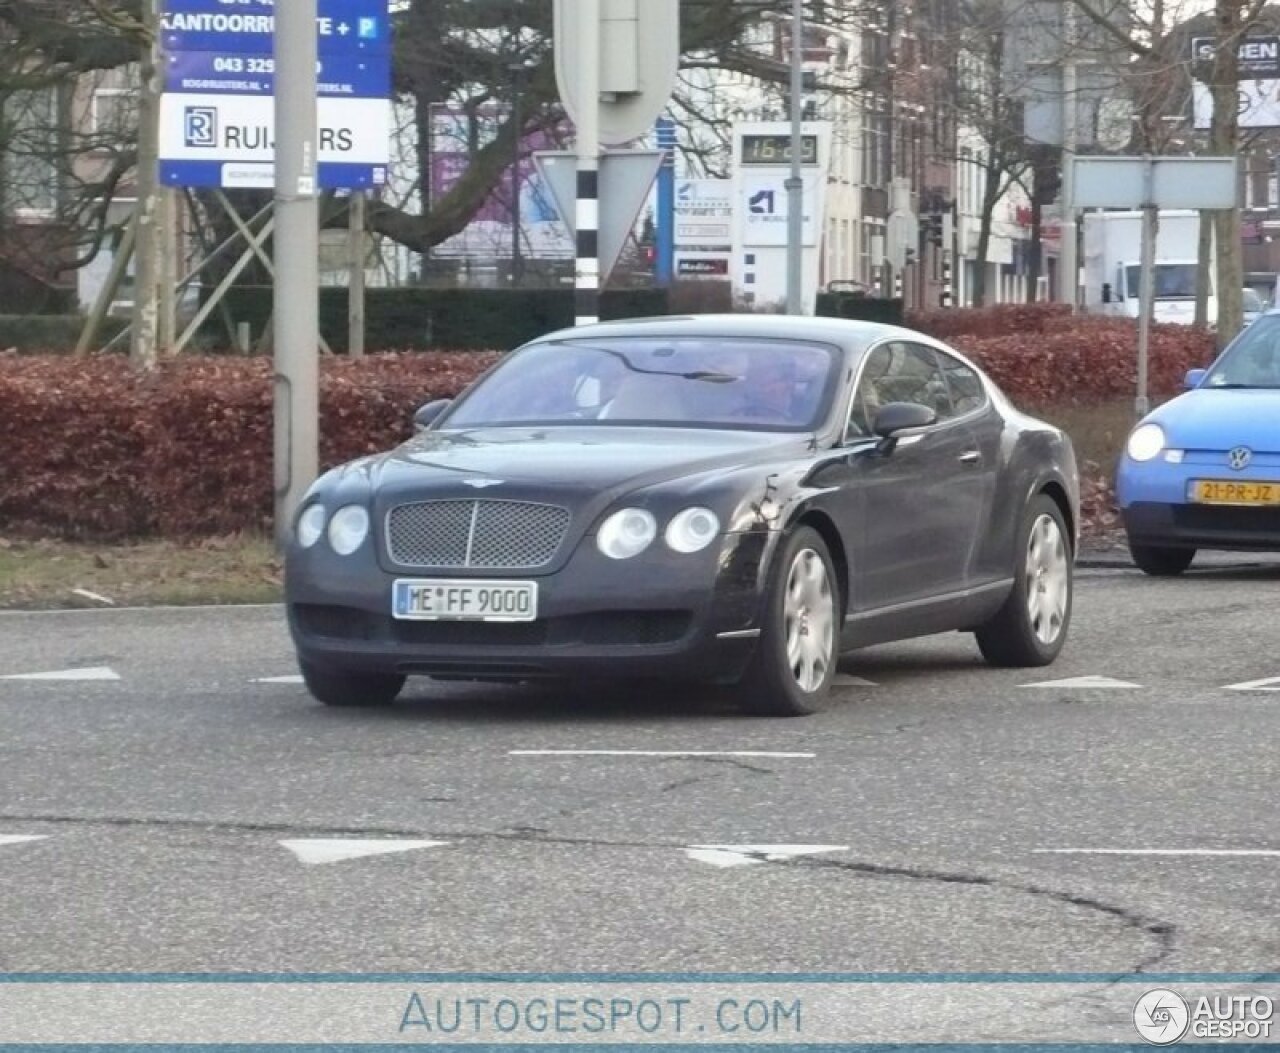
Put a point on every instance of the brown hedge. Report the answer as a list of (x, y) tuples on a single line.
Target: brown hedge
[(90, 449)]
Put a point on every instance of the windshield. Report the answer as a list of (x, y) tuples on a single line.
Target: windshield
[(1252, 361), (765, 385), (1174, 281)]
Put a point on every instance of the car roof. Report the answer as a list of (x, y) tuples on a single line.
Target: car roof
[(845, 332)]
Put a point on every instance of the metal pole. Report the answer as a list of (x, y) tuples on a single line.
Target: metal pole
[(1146, 287), (587, 277), (1069, 279), (664, 271), (355, 290), (517, 120), (297, 244), (795, 184)]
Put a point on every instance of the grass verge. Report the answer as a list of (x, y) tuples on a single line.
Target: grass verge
[(39, 575)]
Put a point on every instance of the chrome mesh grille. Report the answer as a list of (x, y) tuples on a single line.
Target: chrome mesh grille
[(478, 535)]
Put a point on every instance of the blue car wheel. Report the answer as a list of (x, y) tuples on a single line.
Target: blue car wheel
[(1161, 562)]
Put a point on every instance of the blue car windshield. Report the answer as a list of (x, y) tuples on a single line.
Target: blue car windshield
[(1253, 361), (678, 382)]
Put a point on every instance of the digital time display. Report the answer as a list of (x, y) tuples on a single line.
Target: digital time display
[(776, 150)]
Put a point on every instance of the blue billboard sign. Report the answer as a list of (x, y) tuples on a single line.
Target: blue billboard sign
[(217, 125), (204, 72), (343, 27)]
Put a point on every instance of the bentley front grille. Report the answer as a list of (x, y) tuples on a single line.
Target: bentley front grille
[(476, 535)]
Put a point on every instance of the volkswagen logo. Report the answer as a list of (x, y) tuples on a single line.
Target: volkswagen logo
[(1239, 458)]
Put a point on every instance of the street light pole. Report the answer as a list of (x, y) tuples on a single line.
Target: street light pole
[(795, 184), (517, 120)]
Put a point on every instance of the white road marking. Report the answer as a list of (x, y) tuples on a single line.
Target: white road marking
[(1089, 683), (852, 681), (749, 855), (97, 597), (1270, 684), (761, 754), (100, 672), (19, 839), (1207, 852), (315, 851), (294, 679)]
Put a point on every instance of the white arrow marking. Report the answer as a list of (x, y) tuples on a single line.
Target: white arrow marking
[(18, 839), (747, 855), (852, 681), (100, 672), (1270, 684), (294, 679), (1158, 851), (661, 753), (1090, 683), (317, 851)]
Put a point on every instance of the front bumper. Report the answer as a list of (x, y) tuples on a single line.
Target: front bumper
[(1156, 512), (660, 615), (1202, 526)]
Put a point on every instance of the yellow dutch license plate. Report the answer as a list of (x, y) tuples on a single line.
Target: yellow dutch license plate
[(1224, 492)]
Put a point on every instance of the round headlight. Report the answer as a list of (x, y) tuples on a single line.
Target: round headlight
[(693, 530), (310, 525), (1146, 442), (627, 533), (348, 528)]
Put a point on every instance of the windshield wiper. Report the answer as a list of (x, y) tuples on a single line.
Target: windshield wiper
[(1243, 387), (705, 375)]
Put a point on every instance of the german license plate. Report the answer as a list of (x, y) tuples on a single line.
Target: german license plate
[(465, 601), (1225, 492)]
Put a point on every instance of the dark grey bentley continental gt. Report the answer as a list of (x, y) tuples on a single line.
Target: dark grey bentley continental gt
[(725, 500)]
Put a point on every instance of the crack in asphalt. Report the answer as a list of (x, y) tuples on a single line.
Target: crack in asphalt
[(1162, 932)]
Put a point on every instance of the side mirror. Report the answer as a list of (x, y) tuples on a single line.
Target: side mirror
[(1194, 378), (427, 415), (897, 417)]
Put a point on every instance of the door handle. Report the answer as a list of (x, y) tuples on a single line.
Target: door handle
[(971, 457)]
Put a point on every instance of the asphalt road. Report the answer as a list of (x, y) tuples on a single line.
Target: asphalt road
[(950, 817)]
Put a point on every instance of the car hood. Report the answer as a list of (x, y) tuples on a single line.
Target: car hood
[(1215, 419), (513, 461)]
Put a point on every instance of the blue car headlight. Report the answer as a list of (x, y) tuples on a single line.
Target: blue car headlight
[(1146, 442)]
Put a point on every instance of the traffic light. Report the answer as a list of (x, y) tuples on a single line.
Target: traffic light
[(934, 228)]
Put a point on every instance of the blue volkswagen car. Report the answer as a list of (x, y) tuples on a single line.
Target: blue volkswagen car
[(1203, 470)]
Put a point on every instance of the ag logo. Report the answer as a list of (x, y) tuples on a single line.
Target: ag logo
[(763, 203), (1161, 1017)]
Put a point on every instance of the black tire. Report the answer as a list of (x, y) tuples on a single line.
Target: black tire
[(770, 687), (350, 690), (1012, 638), (1161, 562)]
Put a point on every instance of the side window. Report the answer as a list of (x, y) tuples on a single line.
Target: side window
[(967, 392), (898, 372), (866, 399)]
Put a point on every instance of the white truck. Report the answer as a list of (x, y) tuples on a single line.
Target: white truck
[(1112, 265)]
